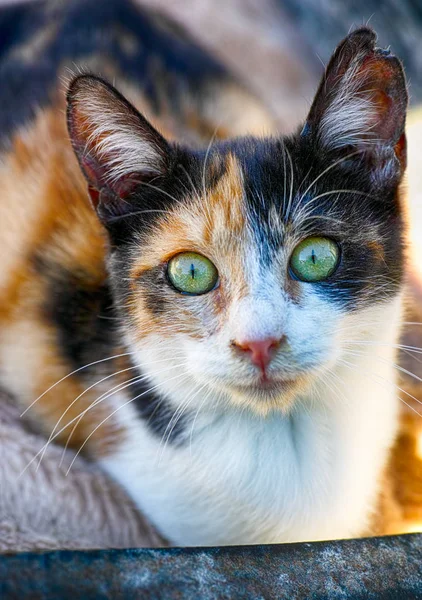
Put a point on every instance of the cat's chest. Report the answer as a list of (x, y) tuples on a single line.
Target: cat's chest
[(242, 480)]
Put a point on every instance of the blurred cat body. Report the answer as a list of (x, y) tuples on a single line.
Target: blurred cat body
[(164, 392)]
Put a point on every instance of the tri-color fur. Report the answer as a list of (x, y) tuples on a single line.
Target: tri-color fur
[(160, 393)]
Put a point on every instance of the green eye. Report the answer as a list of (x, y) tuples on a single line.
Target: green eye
[(315, 259), (192, 273)]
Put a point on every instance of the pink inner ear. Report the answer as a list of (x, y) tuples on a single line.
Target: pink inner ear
[(96, 167), (117, 148), (93, 171), (126, 184), (97, 178), (94, 194), (379, 81)]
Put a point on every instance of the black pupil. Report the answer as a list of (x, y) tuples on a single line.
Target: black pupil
[(313, 256), (192, 271)]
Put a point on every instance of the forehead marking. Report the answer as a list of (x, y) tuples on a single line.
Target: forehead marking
[(226, 229), (225, 202)]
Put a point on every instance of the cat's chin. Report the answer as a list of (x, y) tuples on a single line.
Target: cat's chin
[(268, 395)]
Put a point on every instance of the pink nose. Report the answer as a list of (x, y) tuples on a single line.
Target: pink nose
[(261, 351)]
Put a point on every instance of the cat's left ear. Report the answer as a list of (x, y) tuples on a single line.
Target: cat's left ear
[(360, 107), (117, 148)]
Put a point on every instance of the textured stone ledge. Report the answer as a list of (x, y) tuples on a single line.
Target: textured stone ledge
[(387, 567)]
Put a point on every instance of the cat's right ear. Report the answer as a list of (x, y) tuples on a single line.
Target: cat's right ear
[(360, 107), (117, 148)]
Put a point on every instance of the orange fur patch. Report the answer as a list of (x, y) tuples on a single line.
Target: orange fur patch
[(400, 507)]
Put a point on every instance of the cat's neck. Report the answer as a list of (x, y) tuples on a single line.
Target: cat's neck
[(240, 478)]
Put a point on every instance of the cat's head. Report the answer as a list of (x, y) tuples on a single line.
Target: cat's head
[(241, 268)]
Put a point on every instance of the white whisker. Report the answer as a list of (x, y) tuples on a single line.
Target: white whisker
[(358, 354), (75, 400), (117, 410), (373, 377), (109, 393), (95, 362), (176, 418), (289, 156), (334, 164), (97, 401)]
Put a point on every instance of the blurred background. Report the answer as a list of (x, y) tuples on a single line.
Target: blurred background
[(279, 47)]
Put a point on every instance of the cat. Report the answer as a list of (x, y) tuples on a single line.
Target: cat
[(199, 318)]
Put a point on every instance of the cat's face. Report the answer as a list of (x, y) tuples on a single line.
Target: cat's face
[(244, 268)]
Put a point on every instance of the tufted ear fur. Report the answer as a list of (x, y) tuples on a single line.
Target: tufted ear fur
[(361, 105), (117, 148)]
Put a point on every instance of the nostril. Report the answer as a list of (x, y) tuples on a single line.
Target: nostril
[(261, 351)]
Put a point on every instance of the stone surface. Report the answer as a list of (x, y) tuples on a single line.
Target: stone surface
[(377, 568)]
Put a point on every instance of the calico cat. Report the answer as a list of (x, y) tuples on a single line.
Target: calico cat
[(197, 318)]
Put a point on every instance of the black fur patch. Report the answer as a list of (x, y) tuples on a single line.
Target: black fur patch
[(149, 199), (83, 315), (158, 414)]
